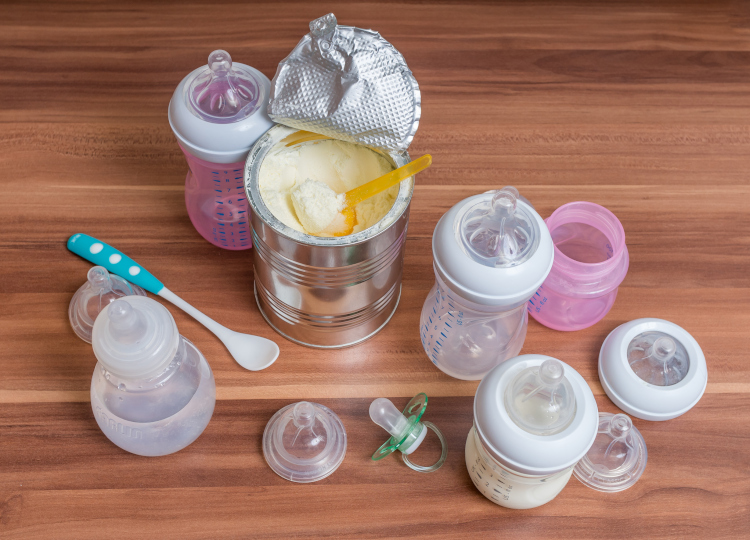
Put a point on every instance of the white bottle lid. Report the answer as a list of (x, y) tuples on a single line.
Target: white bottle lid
[(493, 249), (652, 369), (218, 111), (528, 449), (135, 337)]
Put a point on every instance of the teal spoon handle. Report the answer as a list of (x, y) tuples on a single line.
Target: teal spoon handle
[(102, 254)]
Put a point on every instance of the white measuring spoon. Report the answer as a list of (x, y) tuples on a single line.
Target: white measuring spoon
[(251, 352)]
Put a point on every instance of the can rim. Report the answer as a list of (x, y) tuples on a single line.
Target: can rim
[(258, 206)]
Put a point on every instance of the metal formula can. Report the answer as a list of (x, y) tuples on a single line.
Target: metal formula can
[(325, 292)]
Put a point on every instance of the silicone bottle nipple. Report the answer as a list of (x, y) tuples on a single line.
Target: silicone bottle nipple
[(406, 430), (658, 358), (304, 442), (617, 458), (100, 289), (497, 233), (223, 93), (540, 399)]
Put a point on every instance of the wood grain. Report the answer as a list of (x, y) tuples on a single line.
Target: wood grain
[(639, 106)]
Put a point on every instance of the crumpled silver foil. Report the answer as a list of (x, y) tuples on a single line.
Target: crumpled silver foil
[(349, 84)]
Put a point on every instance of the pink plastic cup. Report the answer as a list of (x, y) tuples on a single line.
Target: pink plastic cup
[(591, 261), (216, 202)]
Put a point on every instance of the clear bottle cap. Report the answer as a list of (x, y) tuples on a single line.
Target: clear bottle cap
[(100, 289), (304, 442), (497, 232), (540, 400), (223, 93), (658, 358), (617, 458), (135, 337)]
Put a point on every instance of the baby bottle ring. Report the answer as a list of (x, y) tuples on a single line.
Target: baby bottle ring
[(407, 432)]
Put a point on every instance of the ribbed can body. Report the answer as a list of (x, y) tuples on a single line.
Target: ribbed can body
[(325, 292)]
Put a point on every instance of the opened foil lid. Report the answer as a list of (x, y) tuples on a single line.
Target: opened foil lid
[(349, 84)]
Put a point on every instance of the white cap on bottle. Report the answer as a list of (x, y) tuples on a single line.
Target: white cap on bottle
[(535, 414), (652, 369), (135, 337), (218, 111), (493, 249)]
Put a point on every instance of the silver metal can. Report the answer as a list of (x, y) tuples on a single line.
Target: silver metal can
[(325, 292)]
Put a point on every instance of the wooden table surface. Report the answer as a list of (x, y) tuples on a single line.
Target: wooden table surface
[(643, 107)]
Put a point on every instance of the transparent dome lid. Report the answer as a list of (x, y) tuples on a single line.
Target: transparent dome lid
[(304, 442), (658, 358), (497, 232), (540, 399), (223, 93), (100, 289), (617, 458)]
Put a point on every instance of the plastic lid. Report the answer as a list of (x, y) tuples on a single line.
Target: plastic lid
[(540, 399), (652, 369), (304, 442), (617, 458), (493, 249), (658, 358), (218, 111), (93, 296), (526, 451), (223, 93), (497, 232), (135, 337)]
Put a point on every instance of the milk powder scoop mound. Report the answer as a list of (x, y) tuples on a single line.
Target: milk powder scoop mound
[(349, 84)]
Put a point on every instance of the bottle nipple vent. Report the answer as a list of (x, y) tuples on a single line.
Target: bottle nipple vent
[(496, 232), (540, 399), (223, 93), (658, 358), (101, 288)]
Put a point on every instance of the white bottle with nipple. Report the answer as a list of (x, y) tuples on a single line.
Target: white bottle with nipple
[(534, 419), (152, 391), (491, 253)]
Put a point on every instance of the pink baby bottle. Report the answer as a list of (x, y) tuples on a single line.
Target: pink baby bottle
[(591, 260), (217, 113)]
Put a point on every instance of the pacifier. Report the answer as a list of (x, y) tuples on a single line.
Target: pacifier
[(407, 432), (92, 297), (304, 442)]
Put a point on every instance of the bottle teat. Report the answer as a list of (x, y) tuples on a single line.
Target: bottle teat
[(496, 232), (223, 93), (406, 430), (617, 458), (304, 442), (135, 338), (658, 358), (540, 399), (100, 289)]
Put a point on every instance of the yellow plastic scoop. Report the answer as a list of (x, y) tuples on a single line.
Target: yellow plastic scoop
[(322, 212)]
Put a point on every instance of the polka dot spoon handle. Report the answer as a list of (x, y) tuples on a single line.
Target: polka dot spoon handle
[(251, 352), (115, 261)]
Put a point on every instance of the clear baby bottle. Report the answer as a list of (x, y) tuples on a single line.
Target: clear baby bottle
[(591, 261), (491, 253), (152, 391), (217, 113), (101, 288), (534, 419)]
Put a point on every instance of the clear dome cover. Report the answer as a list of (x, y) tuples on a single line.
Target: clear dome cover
[(617, 458), (497, 232), (540, 400), (223, 93), (100, 289), (658, 358), (304, 442)]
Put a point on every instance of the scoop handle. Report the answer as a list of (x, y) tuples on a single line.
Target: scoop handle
[(373, 187), (102, 254)]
